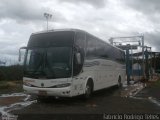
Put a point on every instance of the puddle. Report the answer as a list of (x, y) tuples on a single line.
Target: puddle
[(132, 89), (15, 101), (13, 95), (154, 100)]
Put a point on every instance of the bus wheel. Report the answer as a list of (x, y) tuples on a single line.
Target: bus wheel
[(88, 90), (119, 82)]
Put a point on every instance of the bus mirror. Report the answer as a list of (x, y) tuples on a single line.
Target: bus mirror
[(78, 58), (19, 58)]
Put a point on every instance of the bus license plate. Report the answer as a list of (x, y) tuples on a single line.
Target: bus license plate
[(44, 93)]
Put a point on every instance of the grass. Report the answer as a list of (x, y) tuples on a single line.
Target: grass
[(10, 86), (3, 85)]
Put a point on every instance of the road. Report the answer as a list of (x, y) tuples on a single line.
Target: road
[(104, 101), (111, 100)]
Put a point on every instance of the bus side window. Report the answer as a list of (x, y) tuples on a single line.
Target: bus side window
[(79, 53), (91, 47), (77, 63)]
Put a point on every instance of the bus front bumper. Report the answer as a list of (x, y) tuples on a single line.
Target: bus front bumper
[(57, 92)]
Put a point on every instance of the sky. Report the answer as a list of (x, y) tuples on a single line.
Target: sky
[(103, 18)]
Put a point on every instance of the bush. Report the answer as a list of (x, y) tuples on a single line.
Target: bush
[(14, 72), (3, 85)]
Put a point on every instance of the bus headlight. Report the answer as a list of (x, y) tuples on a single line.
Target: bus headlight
[(62, 85)]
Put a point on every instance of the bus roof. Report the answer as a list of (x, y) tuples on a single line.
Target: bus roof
[(57, 30), (74, 30)]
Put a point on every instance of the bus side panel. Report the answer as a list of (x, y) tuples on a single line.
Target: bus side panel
[(79, 82)]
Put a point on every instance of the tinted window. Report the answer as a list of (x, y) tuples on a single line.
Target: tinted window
[(91, 47), (116, 54), (97, 48), (101, 50), (52, 62), (80, 45), (80, 40), (34, 59), (62, 38), (59, 61)]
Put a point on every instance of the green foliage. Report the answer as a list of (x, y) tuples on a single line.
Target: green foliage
[(3, 84), (10, 86), (14, 72)]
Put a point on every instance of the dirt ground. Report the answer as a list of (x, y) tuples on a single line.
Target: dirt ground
[(111, 101), (105, 101)]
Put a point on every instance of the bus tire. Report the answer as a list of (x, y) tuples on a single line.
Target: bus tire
[(88, 89), (119, 82)]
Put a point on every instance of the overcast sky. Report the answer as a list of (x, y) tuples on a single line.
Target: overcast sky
[(103, 18)]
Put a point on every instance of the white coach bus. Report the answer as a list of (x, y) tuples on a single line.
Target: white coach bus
[(70, 62)]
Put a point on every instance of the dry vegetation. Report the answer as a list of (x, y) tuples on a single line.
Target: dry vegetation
[(11, 78)]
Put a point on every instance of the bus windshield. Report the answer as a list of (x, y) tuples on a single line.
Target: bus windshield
[(52, 62)]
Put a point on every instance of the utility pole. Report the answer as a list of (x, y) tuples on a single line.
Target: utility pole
[(143, 67), (47, 16), (127, 64)]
